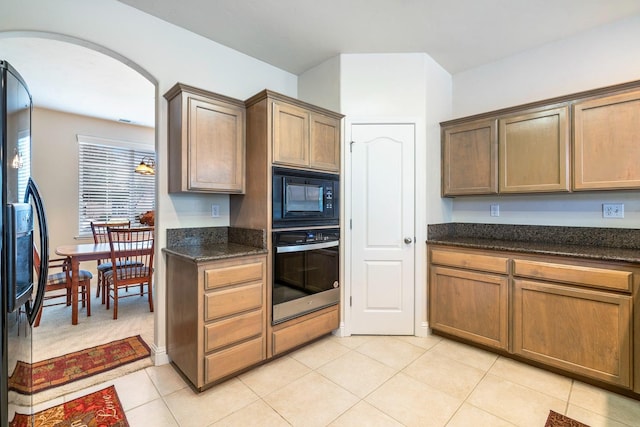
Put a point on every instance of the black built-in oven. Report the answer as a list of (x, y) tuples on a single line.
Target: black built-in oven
[(306, 268), (305, 198)]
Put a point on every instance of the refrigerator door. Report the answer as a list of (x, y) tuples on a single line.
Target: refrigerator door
[(16, 220)]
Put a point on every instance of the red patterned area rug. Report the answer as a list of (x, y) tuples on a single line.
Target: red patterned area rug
[(99, 409), (558, 420), (75, 366)]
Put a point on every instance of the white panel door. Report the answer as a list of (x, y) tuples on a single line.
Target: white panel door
[(382, 229)]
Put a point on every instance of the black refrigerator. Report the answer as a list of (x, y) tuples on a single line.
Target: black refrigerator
[(22, 212)]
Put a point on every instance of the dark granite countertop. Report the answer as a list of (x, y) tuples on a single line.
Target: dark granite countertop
[(595, 243), (215, 243)]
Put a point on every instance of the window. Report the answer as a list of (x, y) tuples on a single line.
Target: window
[(22, 161), (109, 189)]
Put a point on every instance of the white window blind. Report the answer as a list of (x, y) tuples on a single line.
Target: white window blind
[(24, 160), (109, 189)]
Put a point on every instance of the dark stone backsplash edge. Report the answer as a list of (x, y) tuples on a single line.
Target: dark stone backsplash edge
[(623, 238), (211, 236)]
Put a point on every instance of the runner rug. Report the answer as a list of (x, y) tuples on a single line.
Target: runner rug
[(99, 409), (558, 420), (39, 376)]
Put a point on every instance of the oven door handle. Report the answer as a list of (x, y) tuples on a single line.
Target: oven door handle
[(306, 247)]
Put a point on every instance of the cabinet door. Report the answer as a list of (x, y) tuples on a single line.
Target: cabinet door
[(290, 135), (469, 305), (607, 142), (469, 158), (324, 143), (534, 151), (216, 147), (582, 331)]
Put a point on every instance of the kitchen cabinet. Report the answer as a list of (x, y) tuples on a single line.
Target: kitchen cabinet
[(607, 142), (470, 158), (468, 296), (579, 316), (304, 136), (299, 331), (577, 142), (534, 151), (216, 316), (206, 142)]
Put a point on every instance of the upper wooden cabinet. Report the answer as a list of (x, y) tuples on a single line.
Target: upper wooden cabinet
[(607, 142), (470, 158), (534, 151), (206, 141), (600, 127), (305, 138)]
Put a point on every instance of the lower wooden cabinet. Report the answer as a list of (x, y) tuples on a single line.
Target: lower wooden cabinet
[(295, 333), (470, 305), (579, 316), (584, 331), (216, 316)]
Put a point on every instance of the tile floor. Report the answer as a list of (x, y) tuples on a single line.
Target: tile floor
[(372, 381)]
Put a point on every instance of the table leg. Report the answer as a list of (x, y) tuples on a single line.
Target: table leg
[(75, 268)]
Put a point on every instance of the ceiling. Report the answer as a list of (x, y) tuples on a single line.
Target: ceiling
[(296, 35)]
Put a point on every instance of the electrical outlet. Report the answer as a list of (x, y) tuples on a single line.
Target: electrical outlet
[(215, 211), (613, 210), (495, 210)]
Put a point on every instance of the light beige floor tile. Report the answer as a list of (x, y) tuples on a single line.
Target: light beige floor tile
[(310, 401), (154, 413), (320, 352), (413, 403), (515, 403), (445, 374), (606, 403), (391, 351), (423, 342), (274, 375), (135, 389), (469, 415), (193, 409), (592, 419), (472, 356), (532, 377), (352, 341), (257, 414), (166, 379), (357, 373), (363, 414)]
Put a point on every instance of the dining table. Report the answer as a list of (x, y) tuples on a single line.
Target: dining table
[(91, 252)]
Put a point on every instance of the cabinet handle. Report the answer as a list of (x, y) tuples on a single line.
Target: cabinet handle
[(407, 240)]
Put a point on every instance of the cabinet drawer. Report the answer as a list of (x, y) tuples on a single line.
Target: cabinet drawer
[(575, 274), (225, 276), (305, 331), (472, 261), (226, 362), (231, 301), (232, 330)]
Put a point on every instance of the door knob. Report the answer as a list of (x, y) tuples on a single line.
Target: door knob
[(407, 240)]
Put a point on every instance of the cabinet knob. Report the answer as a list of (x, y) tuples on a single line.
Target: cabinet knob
[(407, 240)]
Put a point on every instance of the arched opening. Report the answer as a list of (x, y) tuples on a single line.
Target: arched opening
[(62, 62)]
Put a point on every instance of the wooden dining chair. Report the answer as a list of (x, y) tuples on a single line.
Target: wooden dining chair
[(59, 279), (132, 263), (99, 230)]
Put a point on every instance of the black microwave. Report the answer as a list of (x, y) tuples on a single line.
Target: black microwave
[(305, 198)]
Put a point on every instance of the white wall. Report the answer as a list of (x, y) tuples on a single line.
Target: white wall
[(601, 57), (166, 54), (394, 88), (55, 165)]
